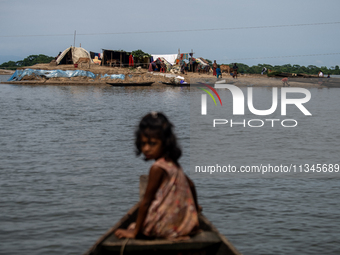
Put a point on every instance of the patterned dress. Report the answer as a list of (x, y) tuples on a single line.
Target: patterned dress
[(173, 212)]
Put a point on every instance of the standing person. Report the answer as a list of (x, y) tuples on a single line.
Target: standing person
[(162, 70), (169, 207), (198, 69), (320, 80), (150, 67), (235, 68), (185, 68), (182, 67), (207, 69), (214, 67), (264, 69), (218, 72)]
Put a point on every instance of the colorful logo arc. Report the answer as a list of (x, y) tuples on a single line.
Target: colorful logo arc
[(208, 92)]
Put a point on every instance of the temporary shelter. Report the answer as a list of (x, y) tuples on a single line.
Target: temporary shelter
[(72, 54), (120, 58), (202, 61), (171, 58)]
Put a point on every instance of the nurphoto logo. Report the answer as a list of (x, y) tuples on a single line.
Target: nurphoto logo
[(239, 105)]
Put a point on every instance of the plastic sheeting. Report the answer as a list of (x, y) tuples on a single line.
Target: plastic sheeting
[(171, 58), (201, 62), (114, 76), (19, 74)]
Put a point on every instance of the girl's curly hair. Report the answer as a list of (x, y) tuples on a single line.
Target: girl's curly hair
[(157, 125)]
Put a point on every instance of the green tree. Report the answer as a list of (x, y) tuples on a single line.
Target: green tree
[(8, 64), (140, 57), (140, 54), (28, 61)]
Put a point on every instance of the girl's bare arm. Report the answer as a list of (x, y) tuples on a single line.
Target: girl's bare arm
[(156, 176)]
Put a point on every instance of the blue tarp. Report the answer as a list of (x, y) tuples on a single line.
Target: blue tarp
[(19, 74), (114, 76)]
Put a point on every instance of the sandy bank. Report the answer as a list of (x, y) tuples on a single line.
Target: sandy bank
[(142, 75), (6, 72)]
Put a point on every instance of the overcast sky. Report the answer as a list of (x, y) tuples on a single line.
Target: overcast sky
[(242, 31)]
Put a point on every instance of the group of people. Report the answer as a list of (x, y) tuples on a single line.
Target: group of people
[(161, 67), (217, 70), (202, 69), (320, 74), (199, 68), (158, 65)]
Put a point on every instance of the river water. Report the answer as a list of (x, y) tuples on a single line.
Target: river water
[(68, 172)]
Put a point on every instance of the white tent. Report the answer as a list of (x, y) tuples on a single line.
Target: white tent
[(171, 58), (200, 61), (72, 54)]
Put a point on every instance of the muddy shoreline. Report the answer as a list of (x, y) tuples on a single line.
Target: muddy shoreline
[(134, 75)]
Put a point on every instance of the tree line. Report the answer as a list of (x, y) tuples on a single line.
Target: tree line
[(288, 68), (28, 61)]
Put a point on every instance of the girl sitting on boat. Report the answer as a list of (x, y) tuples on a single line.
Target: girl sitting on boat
[(169, 207)]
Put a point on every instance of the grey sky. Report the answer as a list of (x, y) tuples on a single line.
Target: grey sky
[(57, 20)]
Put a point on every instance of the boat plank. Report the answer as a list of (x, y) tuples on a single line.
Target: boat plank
[(199, 241)]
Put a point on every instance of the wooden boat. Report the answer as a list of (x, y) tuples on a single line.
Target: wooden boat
[(176, 84), (291, 75), (121, 84), (209, 241)]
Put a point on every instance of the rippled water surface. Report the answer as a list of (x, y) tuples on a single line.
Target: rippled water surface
[(68, 172)]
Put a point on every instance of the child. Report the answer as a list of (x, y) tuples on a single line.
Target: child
[(218, 72), (235, 69), (163, 66), (169, 207), (186, 68), (285, 82)]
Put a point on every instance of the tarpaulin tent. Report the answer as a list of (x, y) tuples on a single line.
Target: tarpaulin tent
[(167, 64), (171, 58), (200, 61), (72, 54), (204, 61)]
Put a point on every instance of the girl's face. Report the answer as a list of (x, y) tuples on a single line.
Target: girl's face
[(151, 147)]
